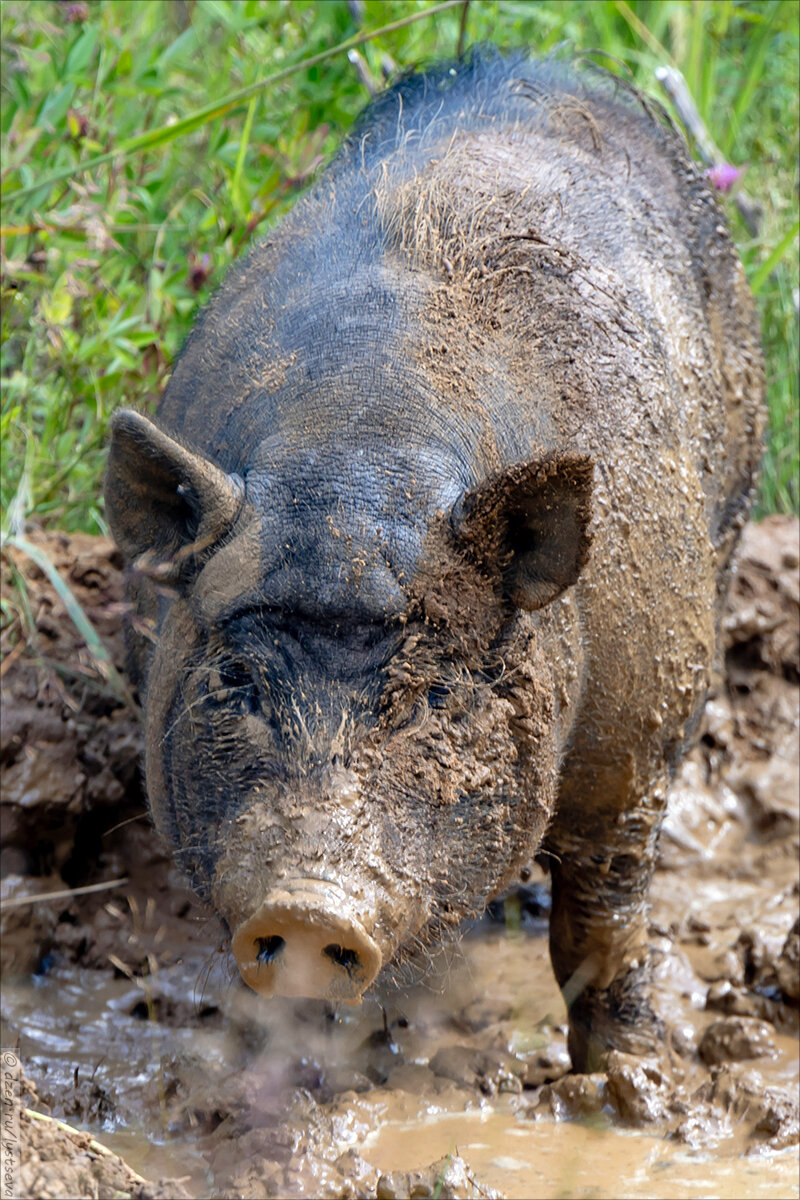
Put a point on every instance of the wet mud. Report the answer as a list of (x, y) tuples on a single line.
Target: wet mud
[(151, 1071)]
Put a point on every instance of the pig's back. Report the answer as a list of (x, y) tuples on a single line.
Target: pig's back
[(537, 226)]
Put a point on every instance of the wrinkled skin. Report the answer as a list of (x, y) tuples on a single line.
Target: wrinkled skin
[(433, 534)]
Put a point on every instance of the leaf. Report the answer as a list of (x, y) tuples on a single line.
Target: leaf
[(124, 63), (57, 305), (240, 195), (80, 54), (181, 44), (54, 109), (773, 259)]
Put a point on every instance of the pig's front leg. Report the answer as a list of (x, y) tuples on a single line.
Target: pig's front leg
[(598, 932)]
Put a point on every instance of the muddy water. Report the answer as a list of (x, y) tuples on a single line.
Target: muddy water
[(591, 1157), (134, 1027), (578, 1160), (100, 1068), (90, 1050), (69, 1017)]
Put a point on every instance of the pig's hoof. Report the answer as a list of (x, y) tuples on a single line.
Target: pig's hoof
[(617, 1018)]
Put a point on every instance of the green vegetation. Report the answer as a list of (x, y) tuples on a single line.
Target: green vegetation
[(103, 269)]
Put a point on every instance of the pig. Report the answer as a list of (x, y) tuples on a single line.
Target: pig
[(433, 531)]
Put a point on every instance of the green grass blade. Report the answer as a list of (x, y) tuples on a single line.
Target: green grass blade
[(79, 619), (753, 69), (697, 45), (773, 258), (642, 31), (239, 196)]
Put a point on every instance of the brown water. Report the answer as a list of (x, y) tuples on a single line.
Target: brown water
[(577, 1160), (106, 1069)]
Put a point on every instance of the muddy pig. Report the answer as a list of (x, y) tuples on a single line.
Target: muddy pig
[(434, 528)]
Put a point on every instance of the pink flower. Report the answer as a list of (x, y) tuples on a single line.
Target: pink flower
[(723, 176), (199, 272), (75, 12)]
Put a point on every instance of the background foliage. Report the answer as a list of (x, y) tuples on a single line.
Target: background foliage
[(103, 269)]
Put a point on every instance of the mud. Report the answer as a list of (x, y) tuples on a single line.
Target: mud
[(133, 1026)]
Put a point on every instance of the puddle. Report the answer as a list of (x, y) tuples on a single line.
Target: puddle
[(575, 1160)]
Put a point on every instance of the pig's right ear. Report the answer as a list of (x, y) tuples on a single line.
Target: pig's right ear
[(162, 499), (529, 526)]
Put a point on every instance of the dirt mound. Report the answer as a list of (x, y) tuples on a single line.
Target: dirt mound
[(69, 747), (131, 1023), (61, 1161)]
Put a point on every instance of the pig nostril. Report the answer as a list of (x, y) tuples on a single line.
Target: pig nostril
[(342, 957), (307, 941), (268, 949)]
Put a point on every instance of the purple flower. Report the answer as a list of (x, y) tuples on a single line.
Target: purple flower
[(199, 272), (73, 13), (723, 176)]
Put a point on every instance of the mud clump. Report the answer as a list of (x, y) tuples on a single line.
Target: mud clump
[(60, 1161), (449, 1178), (70, 748), (133, 1025), (737, 1096), (787, 968), (735, 1039)]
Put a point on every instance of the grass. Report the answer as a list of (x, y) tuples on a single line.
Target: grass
[(204, 120)]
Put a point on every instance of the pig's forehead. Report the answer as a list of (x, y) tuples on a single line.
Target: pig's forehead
[(343, 530), (354, 476)]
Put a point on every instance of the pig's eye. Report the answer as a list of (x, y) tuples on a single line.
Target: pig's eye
[(232, 683), (438, 693)]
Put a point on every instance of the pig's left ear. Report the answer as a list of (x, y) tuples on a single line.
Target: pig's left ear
[(161, 497), (531, 526)]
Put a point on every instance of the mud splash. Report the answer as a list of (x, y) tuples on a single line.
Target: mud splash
[(132, 1025)]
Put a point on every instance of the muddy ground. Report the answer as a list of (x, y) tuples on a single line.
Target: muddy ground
[(133, 1028)]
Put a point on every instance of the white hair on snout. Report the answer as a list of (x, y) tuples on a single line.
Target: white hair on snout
[(427, 958)]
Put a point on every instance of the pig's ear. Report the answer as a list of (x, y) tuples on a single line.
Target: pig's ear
[(162, 498), (530, 525)]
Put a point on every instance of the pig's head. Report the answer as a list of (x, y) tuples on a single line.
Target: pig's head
[(352, 736)]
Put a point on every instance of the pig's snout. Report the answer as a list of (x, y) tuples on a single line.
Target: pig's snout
[(305, 942)]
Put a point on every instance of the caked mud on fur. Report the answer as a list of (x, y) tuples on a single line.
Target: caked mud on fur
[(444, 489)]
